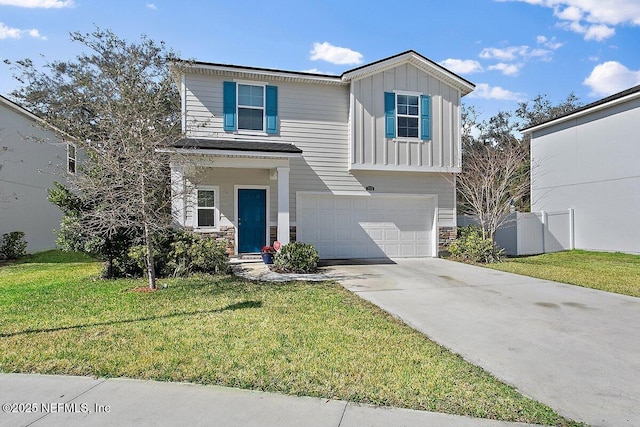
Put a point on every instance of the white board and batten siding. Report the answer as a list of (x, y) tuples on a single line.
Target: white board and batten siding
[(370, 149)]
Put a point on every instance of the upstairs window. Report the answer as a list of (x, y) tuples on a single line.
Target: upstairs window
[(71, 158), (407, 115), (250, 107)]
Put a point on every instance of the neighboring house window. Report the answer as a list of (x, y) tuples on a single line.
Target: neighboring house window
[(71, 158), (250, 107), (206, 210), (407, 115)]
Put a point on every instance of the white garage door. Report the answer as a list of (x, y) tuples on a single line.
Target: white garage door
[(366, 226)]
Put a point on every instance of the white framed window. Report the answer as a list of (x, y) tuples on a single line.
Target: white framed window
[(206, 212), (71, 158), (408, 115), (251, 107)]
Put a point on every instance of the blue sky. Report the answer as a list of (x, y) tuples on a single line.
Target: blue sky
[(512, 50)]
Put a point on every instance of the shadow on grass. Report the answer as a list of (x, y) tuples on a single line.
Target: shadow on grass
[(55, 256), (237, 306)]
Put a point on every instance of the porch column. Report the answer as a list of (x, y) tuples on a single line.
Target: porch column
[(177, 194), (283, 205)]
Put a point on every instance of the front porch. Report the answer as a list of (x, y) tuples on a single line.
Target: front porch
[(233, 191)]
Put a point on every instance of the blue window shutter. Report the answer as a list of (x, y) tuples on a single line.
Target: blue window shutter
[(425, 117), (271, 109), (229, 106), (390, 114)]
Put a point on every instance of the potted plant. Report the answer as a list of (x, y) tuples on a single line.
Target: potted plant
[(267, 254)]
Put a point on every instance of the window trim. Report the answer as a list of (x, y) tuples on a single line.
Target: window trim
[(263, 108), (418, 116), (71, 158), (215, 208)]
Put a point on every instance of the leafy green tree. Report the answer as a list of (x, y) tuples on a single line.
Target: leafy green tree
[(120, 102)]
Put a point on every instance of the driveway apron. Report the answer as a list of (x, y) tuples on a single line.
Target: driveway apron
[(574, 349)]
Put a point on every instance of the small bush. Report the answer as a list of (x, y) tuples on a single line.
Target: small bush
[(197, 254), (178, 253), (296, 257), (13, 245), (471, 246)]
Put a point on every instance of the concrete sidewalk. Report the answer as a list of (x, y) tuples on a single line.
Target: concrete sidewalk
[(574, 349), (48, 400)]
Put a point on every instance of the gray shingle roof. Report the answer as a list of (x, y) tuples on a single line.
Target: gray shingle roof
[(235, 145)]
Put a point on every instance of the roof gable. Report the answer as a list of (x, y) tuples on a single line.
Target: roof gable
[(421, 62)]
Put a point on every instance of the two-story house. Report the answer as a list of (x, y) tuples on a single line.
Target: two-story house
[(588, 161), (33, 155), (360, 165)]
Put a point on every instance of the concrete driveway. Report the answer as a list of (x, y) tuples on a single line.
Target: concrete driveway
[(574, 349)]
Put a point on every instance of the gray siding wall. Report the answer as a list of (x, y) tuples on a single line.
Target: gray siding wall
[(315, 118), (27, 170), (592, 164), (370, 147)]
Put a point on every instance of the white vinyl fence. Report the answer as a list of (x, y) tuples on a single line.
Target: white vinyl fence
[(532, 232)]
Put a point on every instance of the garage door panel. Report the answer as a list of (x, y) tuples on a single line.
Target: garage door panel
[(366, 226)]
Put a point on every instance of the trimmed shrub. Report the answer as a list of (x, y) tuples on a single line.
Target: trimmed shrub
[(296, 257), (194, 253), (13, 245), (178, 253), (471, 246)]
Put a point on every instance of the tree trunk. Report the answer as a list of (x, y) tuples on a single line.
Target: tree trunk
[(151, 271)]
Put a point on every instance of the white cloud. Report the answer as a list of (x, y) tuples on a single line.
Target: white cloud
[(594, 19), (552, 43), (570, 13), (334, 54), (512, 53), (40, 4), (483, 90), (599, 32), (506, 69), (505, 54), (462, 66), (9, 33), (316, 71), (611, 77), (152, 6), (17, 33), (35, 34)]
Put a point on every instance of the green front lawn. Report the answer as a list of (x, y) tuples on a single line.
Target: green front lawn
[(612, 272), (295, 338)]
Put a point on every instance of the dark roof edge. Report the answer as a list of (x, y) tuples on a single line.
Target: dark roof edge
[(221, 144), (248, 68), (308, 74), (602, 101)]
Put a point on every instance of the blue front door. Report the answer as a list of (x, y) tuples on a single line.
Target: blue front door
[(252, 220)]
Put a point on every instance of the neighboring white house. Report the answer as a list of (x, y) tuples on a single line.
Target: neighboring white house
[(361, 165), (32, 156), (589, 161)]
